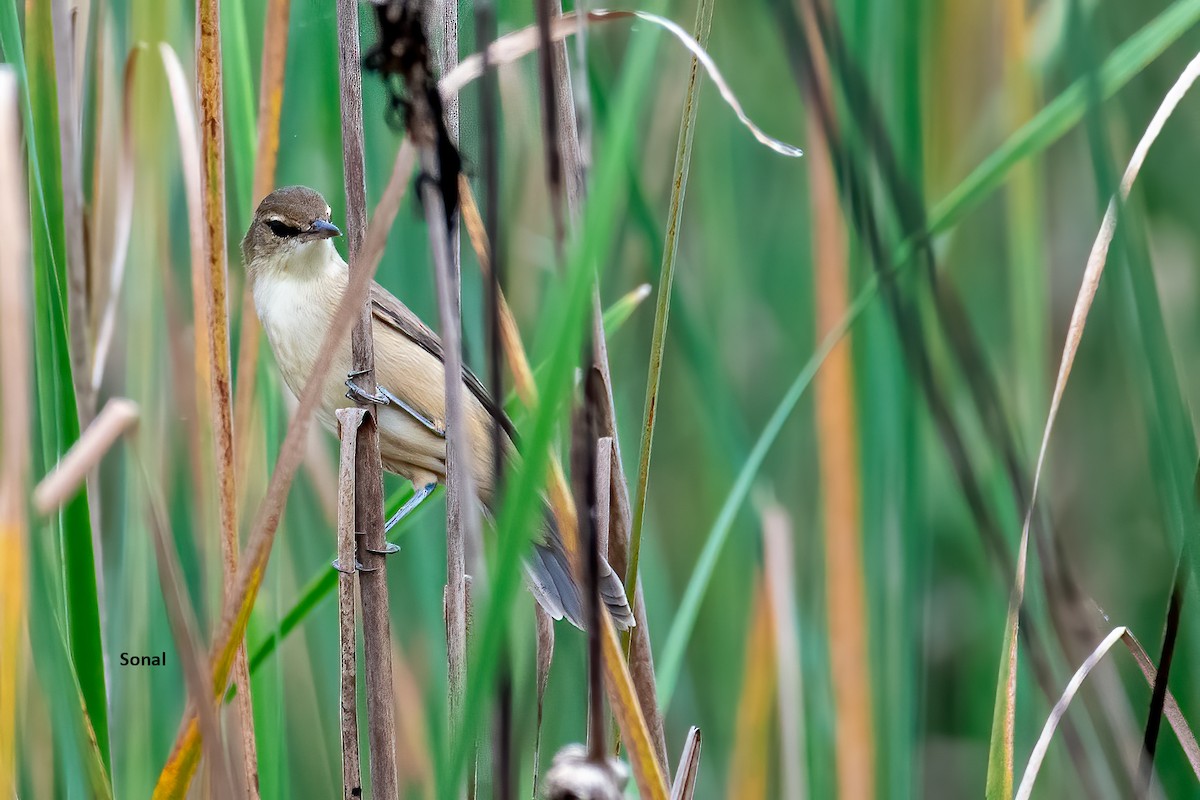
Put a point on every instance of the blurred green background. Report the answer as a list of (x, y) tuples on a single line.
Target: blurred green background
[(951, 83)]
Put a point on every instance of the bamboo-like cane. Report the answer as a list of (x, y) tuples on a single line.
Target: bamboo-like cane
[(349, 421), (377, 630)]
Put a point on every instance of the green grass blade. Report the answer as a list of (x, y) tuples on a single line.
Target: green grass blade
[(55, 388), (662, 307)]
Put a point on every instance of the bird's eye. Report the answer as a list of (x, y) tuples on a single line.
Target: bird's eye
[(280, 228)]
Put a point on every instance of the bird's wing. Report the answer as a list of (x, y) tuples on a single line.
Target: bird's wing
[(389, 311)]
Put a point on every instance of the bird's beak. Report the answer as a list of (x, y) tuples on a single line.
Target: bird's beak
[(323, 230)]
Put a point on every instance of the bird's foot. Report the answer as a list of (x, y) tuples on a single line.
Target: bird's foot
[(358, 395)]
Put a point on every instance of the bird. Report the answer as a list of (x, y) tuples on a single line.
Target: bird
[(298, 278)]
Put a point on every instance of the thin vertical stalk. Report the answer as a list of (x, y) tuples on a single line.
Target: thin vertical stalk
[(182, 620), (459, 493), (837, 454), (15, 366), (551, 124), (749, 765), (462, 532), (688, 774), (266, 156), (781, 592), (377, 632), (349, 421), (1023, 204), (427, 127), (583, 473), (662, 307), (212, 138), (489, 127)]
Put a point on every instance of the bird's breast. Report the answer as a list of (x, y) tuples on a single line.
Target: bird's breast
[(296, 314)]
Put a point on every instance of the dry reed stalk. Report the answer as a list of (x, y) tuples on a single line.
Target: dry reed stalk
[(184, 631), (552, 128), (594, 516), (220, 381), (489, 133), (640, 654), (837, 452), (54, 490), (349, 421), (459, 492), (377, 630), (688, 775), (266, 155), (781, 589), (15, 365), (428, 130), (750, 762)]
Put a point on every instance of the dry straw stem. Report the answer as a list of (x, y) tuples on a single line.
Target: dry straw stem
[(119, 415), (266, 155), (14, 422), (368, 504), (176, 776), (553, 130), (1174, 715), (1000, 761), (349, 420), (462, 524), (837, 451), (460, 516), (184, 631), (584, 448), (781, 588), (220, 380), (688, 774), (748, 778)]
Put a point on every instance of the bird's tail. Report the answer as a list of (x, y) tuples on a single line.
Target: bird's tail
[(550, 579)]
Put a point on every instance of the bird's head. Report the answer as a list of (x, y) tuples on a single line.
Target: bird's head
[(290, 229)]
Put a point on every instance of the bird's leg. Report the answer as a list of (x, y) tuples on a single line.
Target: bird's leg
[(412, 503), (433, 427), (355, 393)]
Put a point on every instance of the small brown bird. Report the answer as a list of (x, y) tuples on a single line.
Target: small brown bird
[(298, 279)]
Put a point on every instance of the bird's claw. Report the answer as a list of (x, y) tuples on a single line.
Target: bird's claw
[(356, 393)]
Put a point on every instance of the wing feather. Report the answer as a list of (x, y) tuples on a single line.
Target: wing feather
[(388, 310)]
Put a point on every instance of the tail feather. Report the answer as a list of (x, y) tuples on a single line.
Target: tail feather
[(549, 573)]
